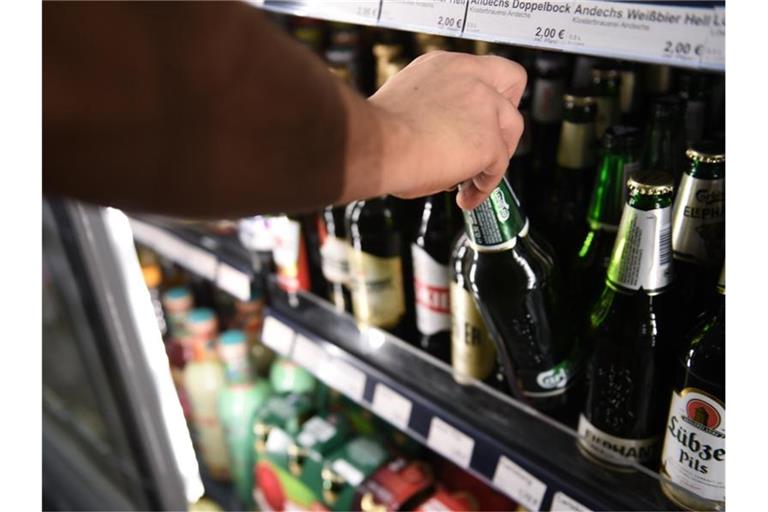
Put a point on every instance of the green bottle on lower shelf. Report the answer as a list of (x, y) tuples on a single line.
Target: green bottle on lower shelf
[(238, 404)]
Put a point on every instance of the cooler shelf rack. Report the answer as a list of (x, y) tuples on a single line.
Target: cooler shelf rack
[(520, 452)]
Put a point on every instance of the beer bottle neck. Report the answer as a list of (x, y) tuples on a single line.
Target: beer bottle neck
[(577, 142), (608, 196), (642, 253), (497, 223)]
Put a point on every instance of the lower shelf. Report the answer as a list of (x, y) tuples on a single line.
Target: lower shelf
[(512, 447)]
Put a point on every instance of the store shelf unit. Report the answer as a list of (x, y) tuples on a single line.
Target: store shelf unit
[(512, 447), (685, 34)]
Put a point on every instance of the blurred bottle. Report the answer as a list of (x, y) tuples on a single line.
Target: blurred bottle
[(520, 168), (296, 254), (204, 379), (629, 93), (664, 148), (386, 54), (692, 87), (376, 266), (564, 210), (177, 303), (334, 250), (249, 318), (440, 222), (546, 113), (309, 32), (606, 87), (620, 160), (582, 71), (256, 235), (153, 279)]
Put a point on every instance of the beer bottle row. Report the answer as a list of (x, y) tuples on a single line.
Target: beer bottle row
[(586, 285)]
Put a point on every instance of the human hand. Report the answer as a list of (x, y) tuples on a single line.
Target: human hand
[(450, 119)]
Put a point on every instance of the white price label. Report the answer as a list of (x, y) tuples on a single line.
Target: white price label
[(392, 406), (199, 261), (519, 484), (450, 442), (277, 336), (561, 502), (353, 11), (145, 233), (233, 281), (433, 16), (714, 53), (309, 355), (344, 378)]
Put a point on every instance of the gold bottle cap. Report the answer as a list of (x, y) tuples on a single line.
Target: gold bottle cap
[(708, 152), (579, 99), (387, 51), (651, 183), (605, 73)]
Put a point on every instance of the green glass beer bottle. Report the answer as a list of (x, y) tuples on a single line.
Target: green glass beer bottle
[(693, 456), (562, 216), (513, 280), (698, 228), (606, 86), (665, 137), (620, 160), (631, 331)]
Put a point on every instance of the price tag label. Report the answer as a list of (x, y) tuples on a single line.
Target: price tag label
[(542, 24), (233, 281), (392, 406), (344, 378), (450, 442), (563, 502), (309, 355), (714, 52), (144, 233), (518, 484), (277, 336), (353, 11), (444, 17)]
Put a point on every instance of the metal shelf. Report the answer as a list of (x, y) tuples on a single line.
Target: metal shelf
[(509, 445), (684, 34)]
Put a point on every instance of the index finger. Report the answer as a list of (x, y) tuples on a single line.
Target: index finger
[(506, 76)]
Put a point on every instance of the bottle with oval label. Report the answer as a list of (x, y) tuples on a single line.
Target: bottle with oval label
[(693, 456)]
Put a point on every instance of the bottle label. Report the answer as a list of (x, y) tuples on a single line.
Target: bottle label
[(378, 298), (615, 450), (642, 254), (698, 229), (335, 259), (316, 431), (607, 113), (555, 380), (237, 367), (547, 106), (473, 353), (286, 252), (577, 145), (255, 233), (430, 282), (694, 446), (497, 222)]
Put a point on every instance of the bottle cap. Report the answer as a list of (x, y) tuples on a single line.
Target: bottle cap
[(387, 51), (232, 337), (202, 321), (177, 299), (650, 183), (152, 275), (707, 151), (621, 136), (605, 71), (579, 98)]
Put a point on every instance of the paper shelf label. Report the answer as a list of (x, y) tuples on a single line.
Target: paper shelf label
[(234, 281), (519, 484), (353, 11), (434, 16), (344, 378), (309, 355), (277, 336), (450, 442), (561, 502), (392, 406)]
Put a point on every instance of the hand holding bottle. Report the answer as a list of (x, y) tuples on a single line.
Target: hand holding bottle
[(450, 118)]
